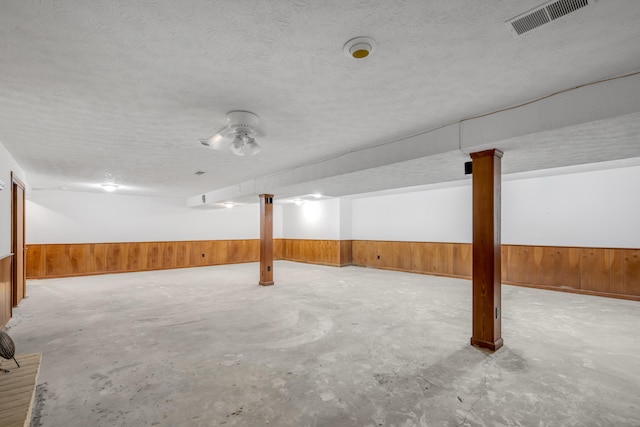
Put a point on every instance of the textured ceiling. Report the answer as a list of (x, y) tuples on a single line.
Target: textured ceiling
[(122, 91)]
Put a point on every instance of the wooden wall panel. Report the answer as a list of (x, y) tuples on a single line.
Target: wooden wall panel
[(547, 262), (57, 260), (427, 262), (137, 256), (519, 261), (6, 300), (359, 253), (154, 255), (435, 258), (169, 254), (242, 251), (183, 254), (504, 256), (631, 272), (346, 252), (221, 251), (615, 268), (598, 271), (116, 256), (80, 259), (462, 259), (327, 252), (371, 254), (197, 254), (593, 269), (417, 256), (277, 248), (36, 265), (394, 255), (447, 259), (62, 260), (572, 268), (99, 257)]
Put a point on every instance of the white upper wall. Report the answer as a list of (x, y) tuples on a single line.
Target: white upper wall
[(7, 165), (346, 219), (592, 209), (79, 217), (441, 215), (315, 219)]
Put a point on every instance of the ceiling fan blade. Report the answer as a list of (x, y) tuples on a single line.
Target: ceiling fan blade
[(217, 141)]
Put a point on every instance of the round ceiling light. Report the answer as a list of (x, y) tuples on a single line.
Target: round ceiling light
[(109, 187), (360, 47)]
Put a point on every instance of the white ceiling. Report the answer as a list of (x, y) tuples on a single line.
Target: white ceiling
[(114, 90)]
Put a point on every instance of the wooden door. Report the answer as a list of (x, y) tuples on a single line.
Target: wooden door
[(18, 239)]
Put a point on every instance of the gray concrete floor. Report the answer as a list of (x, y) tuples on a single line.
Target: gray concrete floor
[(324, 347)]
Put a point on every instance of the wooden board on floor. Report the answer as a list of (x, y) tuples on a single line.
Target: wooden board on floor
[(18, 389)]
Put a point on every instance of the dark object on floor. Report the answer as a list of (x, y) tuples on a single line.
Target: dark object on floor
[(7, 348)]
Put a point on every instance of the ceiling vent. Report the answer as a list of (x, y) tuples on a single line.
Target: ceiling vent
[(544, 14)]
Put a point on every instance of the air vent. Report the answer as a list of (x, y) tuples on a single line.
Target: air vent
[(200, 173), (544, 14)]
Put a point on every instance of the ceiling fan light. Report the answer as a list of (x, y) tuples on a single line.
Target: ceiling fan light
[(243, 145), (252, 147), (237, 146)]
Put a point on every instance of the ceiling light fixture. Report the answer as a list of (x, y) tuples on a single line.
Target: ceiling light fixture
[(228, 205), (242, 128), (109, 187), (298, 202), (244, 144), (317, 195), (360, 47)]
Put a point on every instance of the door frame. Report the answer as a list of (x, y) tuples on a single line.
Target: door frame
[(16, 182)]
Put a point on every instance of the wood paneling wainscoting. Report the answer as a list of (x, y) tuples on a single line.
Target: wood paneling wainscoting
[(80, 259), (325, 252), (593, 271), (6, 299), (440, 259)]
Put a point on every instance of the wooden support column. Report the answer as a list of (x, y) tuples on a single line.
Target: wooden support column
[(487, 327), (266, 240)]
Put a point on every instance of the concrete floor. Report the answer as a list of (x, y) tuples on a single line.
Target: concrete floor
[(324, 347)]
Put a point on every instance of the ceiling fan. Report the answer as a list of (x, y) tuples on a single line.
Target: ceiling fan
[(241, 131)]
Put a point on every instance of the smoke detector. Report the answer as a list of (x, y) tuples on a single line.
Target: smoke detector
[(360, 47)]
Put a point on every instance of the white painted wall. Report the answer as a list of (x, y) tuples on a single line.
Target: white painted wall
[(7, 165), (317, 219), (594, 209), (597, 208), (79, 217), (440, 215), (346, 219)]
